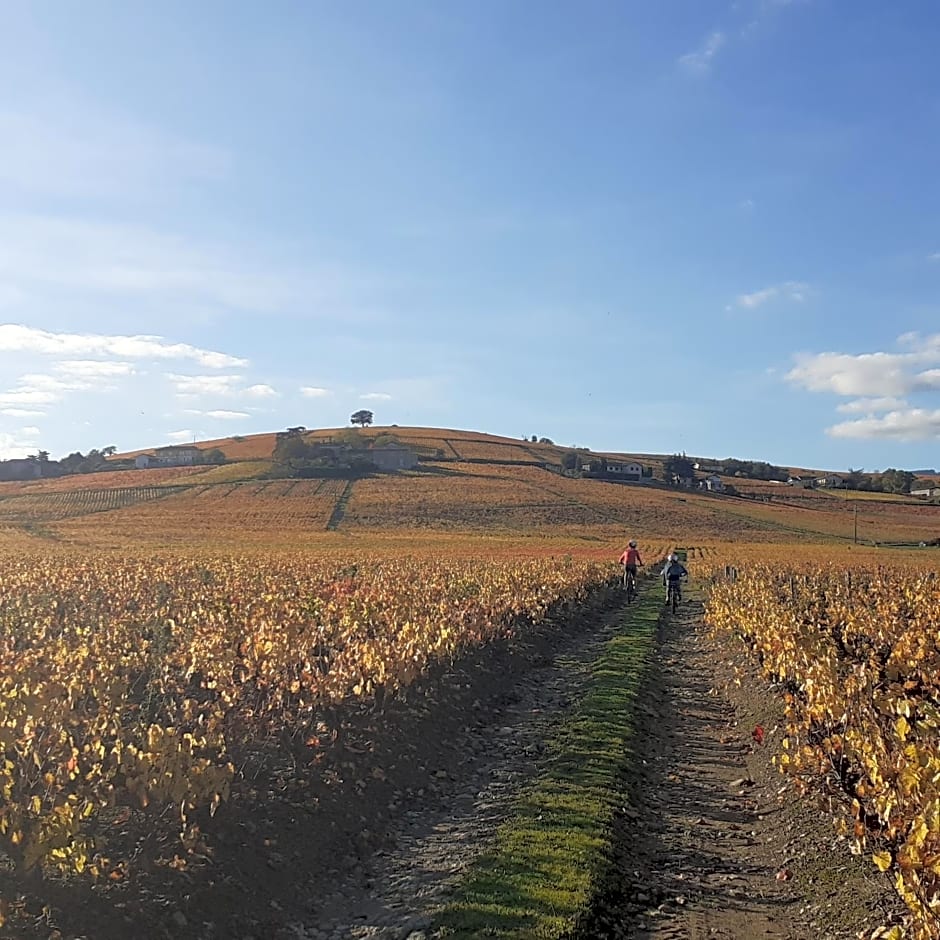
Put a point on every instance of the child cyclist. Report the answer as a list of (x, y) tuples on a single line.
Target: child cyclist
[(630, 560), (673, 572)]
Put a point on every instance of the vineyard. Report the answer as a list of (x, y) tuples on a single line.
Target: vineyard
[(192, 659), (151, 690), (51, 507), (857, 653)]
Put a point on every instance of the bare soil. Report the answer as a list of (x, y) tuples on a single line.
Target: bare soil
[(717, 843)]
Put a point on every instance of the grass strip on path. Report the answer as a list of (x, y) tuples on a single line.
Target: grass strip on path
[(539, 875)]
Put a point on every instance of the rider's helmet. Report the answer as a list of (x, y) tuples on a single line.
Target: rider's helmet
[(673, 557), (632, 543)]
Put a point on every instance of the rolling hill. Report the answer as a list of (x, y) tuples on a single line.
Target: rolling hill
[(496, 488)]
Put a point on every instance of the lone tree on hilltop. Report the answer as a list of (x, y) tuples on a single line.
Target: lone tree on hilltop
[(362, 417)]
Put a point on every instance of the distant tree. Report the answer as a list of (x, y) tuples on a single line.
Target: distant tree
[(571, 461), (546, 440), (108, 451), (72, 463), (362, 417), (854, 479), (896, 481), (678, 465), (753, 469), (291, 448), (215, 455), (534, 438), (353, 438), (41, 456)]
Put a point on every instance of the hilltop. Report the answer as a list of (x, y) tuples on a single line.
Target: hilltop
[(442, 443)]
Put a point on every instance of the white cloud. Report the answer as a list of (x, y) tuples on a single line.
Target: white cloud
[(260, 391), (41, 389), (22, 413), (221, 414), (181, 437), (914, 424), (312, 391), (934, 257), (30, 431), (376, 396), (877, 382), (872, 375), (747, 205), (789, 290), (929, 379), (700, 60), (191, 386), (28, 396), (12, 447), (93, 368), (869, 406), (19, 338), (868, 375)]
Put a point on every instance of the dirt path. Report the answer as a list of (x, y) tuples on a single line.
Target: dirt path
[(430, 846), (716, 845)]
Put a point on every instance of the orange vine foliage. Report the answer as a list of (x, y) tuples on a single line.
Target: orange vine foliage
[(138, 682), (858, 651)]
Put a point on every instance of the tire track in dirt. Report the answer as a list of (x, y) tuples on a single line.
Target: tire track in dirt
[(716, 844), (430, 849)]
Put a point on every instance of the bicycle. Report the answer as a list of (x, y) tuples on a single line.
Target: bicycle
[(674, 594), (629, 583)]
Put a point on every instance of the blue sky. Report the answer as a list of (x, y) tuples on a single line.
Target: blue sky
[(700, 226)]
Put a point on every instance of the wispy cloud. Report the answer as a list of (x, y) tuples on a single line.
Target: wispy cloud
[(78, 150), (790, 290), (225, 385), (20, 338), (870, 406), (760, 13), (313, 391), (21, 413), (915, 424), (39, 389), (376, 396), (260, 391), (700, 60), (878, 382), (219, 414), (181, 437), (934, 257), (93, 368), (92, 261), (192, 386)]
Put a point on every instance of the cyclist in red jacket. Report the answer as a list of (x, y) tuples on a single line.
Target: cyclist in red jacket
[(630, 560)]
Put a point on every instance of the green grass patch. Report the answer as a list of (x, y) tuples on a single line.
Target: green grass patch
[(539, 875)]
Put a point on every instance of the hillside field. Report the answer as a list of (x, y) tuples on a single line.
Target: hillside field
[(472, 489)]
